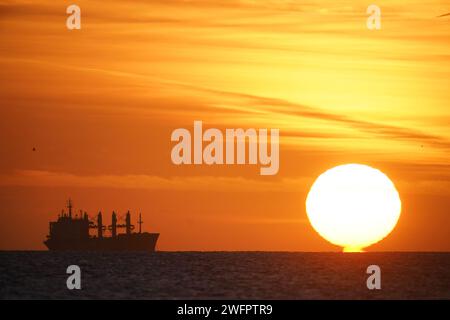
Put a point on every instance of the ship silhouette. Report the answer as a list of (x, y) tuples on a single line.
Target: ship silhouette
[(70, 233)]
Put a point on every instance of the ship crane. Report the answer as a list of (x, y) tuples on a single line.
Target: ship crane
[(128, 226), (99, 226), (112, 228), (140, 222)]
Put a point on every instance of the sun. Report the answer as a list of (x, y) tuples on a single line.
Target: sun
[(353, 206)]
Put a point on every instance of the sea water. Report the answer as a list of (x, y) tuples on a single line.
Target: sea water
[(224, 275)]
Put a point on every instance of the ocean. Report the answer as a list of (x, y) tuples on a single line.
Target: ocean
[(224, 275)]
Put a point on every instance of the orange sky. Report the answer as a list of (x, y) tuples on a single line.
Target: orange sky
[(99, 105)]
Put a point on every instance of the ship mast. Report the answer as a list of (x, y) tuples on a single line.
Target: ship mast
[(140, 222), (69, 206)]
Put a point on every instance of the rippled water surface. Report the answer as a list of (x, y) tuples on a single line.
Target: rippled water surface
[(227, 275)]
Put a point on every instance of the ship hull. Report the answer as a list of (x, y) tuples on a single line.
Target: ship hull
[(126, 243)]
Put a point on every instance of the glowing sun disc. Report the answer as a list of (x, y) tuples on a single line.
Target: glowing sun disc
[(353, 206)]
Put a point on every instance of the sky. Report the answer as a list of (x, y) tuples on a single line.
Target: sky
[(98, 106)]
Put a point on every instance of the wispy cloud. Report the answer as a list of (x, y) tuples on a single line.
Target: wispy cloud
[(149, 182), (40, 178)]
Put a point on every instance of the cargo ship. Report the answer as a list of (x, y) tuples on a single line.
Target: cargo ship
[(72, 233)]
